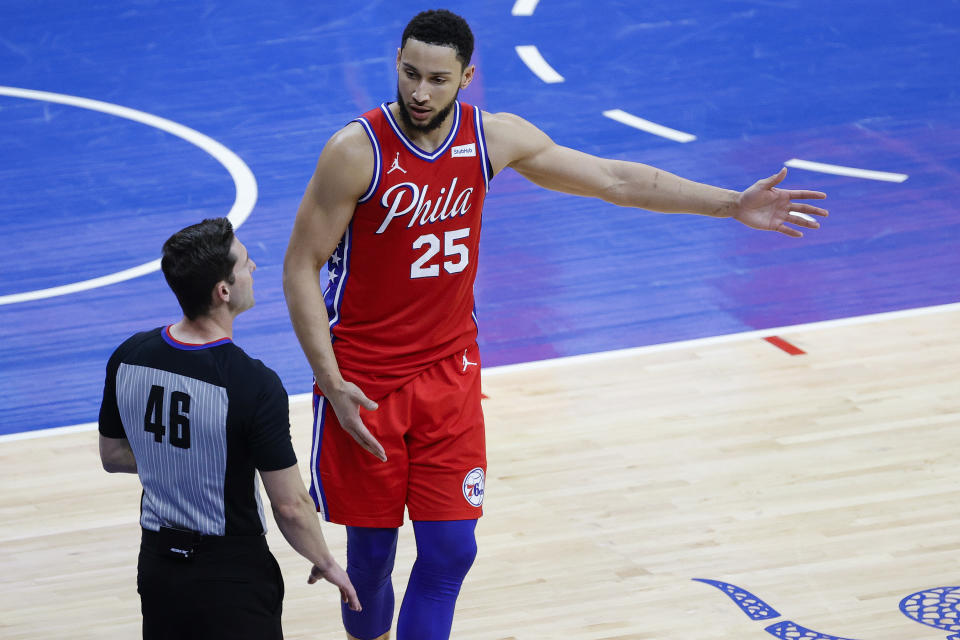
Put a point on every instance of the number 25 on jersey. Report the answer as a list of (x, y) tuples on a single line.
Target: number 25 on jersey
[(459, 254)]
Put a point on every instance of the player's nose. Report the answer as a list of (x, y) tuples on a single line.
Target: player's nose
[(422, 92)]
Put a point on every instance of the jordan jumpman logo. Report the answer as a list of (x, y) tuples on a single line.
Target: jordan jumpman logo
[(467, 363), (396, 165)]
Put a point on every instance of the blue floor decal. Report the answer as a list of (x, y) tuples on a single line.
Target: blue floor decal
[(757, 609), (789, 630), (939, 608), (750, 604)]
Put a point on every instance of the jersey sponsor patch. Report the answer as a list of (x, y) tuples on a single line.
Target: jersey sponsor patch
[(473, 487), (464, 151)]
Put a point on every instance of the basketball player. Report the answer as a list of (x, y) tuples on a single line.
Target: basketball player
[(394, 210), (194, 416)]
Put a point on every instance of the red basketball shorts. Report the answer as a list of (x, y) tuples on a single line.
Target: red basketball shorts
[(432, 432)]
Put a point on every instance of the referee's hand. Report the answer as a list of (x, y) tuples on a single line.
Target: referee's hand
[(334, 574)]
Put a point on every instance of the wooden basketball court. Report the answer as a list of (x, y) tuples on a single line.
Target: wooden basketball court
[(824, 484)]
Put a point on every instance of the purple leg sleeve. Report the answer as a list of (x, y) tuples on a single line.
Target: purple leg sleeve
[(370, 556), (445, 552)]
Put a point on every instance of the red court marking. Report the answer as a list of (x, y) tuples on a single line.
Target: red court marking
[(786, 346)]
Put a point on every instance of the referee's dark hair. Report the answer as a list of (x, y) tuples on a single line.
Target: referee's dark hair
[(195, 259), (444, 28)]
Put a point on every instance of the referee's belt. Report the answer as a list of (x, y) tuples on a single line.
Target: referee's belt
[(184, 544)]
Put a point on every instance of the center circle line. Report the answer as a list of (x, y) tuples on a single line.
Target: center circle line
[(243, 180)]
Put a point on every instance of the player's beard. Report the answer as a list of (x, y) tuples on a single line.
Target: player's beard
[(432, 124)]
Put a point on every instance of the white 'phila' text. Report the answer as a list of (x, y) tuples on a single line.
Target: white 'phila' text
[(409, 198)]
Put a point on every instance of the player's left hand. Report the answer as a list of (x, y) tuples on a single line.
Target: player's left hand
[(767, 208)]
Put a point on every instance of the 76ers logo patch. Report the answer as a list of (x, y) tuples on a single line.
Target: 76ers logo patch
[(473, 487)]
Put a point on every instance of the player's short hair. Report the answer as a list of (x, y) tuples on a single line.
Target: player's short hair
[(443, 28), (195, 259)]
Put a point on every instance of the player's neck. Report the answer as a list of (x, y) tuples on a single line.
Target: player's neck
[(428, 141), (203, 329)]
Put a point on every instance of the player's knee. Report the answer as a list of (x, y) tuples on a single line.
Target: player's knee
[(371, 552), (461, 556), (446, 547)]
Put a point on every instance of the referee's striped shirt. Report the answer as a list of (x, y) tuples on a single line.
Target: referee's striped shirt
[(200, 420)]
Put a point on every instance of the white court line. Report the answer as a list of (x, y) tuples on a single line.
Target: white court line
[(532, 58), (43, 433), (603, 355), (524, 7), (845, 171), (650, 127), (730, 337), (243, 180)]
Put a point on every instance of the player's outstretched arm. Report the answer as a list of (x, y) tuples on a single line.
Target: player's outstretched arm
[(298, 522), (514, 142), (342, 175)]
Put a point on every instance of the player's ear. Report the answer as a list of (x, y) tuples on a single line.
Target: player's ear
[(467, 76), (399, 49)]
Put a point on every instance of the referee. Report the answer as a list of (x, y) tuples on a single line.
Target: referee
[(195, 417)]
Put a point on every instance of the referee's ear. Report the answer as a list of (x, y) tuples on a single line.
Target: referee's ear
[(220, 294)]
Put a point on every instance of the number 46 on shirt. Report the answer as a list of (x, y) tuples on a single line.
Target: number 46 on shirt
[(179, 420)]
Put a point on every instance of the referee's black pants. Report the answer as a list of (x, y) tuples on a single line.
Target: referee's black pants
[(230, 588)]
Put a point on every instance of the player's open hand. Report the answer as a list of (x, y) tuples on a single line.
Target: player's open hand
[(346, 404), (334, 574), (765, 207)]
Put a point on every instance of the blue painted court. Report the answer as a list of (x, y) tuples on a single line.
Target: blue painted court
[(85, 193)]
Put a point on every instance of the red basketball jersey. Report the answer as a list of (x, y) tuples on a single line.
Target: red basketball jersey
[(400, 295)]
